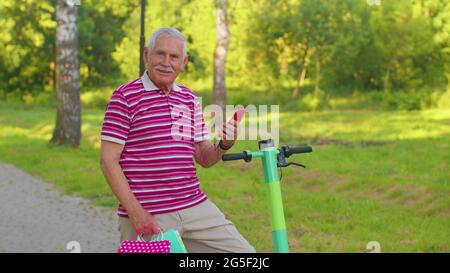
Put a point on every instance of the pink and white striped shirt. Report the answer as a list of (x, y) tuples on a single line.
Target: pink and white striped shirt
[(158, 131)]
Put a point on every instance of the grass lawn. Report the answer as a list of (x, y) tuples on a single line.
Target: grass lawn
[(373, 176)]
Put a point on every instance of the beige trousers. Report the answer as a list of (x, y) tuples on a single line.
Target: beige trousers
[(203, 228)]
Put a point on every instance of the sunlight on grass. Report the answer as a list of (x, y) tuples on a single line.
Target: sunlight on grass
[(367, 125), (10, 131), (42, 131)]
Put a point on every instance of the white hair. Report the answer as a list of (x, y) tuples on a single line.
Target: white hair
[(166, 31)]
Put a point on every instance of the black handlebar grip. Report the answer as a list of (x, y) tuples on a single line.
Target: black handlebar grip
[(300, 149), (229, 157)]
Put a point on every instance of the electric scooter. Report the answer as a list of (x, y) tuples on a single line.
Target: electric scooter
[(272, 158)]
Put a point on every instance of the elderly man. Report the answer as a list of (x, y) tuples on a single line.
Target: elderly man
[(150, 166)]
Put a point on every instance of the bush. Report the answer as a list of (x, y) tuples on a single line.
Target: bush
[(96, 98), (409, 100), (317, 100), (43, 99), (402, 100), (443, 100)]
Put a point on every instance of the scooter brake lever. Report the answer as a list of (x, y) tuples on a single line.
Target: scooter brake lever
[(295, 164)]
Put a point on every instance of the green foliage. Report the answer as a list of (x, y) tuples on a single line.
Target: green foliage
[(27, 44), (194, 18), (99, 31), (359, 46), (42, 99), (96, 98), (442, 99), (411, 99), (348, 45), (26, 47), (317, 100), (404, 100)]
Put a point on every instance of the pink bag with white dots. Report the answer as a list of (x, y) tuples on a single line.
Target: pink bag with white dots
[(145, 247)]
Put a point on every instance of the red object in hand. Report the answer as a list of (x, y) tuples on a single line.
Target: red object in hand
[(239, 114), (237, 117)]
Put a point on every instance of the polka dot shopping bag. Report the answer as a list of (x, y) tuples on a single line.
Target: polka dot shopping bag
[(168, 241)]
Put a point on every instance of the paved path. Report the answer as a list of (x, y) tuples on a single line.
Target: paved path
[(35, 217)]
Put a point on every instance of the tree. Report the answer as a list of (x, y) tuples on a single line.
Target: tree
[(26, 47), (220, 54), (320, 22), (297, 34), (223, 23), (68, 116), (195, 21), (99, 30)]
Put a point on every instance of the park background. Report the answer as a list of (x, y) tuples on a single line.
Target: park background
[(365, 83)]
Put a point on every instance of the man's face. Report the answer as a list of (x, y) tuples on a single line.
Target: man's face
[(165, 61)]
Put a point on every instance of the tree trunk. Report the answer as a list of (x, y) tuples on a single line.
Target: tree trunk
[(317, 85), (68, 116), (386, 81), (51, 76), (142, 40), (220, 55), (302, 74)]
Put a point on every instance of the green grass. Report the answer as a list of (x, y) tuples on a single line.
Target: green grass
[(373, 176)]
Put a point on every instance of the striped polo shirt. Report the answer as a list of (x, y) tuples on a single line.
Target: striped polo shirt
[(158, 131)]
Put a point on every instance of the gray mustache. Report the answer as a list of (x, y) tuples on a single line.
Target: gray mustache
[(163, 69)]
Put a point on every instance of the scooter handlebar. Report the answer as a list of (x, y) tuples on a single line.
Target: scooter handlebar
[(301, 149), (229, 157), (288, 151), (244, 155)]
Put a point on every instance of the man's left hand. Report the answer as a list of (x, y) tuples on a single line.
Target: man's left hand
[(229, 133)]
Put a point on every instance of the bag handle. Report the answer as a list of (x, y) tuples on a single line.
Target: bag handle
[(155, 237)]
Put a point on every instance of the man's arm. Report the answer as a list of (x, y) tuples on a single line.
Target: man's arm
[(207, 154), (143, 221)]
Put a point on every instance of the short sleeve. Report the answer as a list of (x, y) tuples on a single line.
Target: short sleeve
[(117, 121), (201, 131)]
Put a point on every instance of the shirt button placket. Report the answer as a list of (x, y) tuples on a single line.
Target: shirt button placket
[(169, 106)]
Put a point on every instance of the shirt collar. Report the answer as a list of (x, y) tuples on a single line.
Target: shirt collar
[(150, 86)]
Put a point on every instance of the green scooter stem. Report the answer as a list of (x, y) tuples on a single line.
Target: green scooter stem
[(272, 179)]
